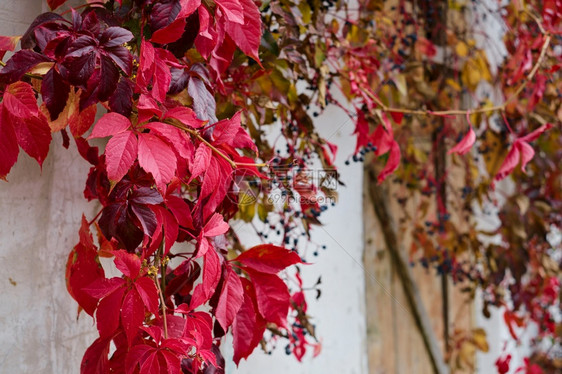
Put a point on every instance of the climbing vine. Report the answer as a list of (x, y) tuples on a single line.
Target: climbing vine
[(184, 93)]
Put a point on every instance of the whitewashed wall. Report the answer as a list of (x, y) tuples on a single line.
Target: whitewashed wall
[(38, 226)]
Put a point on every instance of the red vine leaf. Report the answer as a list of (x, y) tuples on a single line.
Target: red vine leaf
[(211, 278), (95, 359), (8, 43), (248, 326), (268, 258), (132, 314), (272, 296), (82, 269), (9, 149), (120, 154), (247, 35), (156, 158), (392, 162), (231, 298), (110, 124), (465, 144), (29, 124)]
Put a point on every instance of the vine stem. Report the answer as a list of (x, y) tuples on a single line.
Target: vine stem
[(458, 112), (195, 133), (160, 292)]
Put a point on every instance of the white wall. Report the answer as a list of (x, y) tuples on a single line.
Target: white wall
[(40, 213)]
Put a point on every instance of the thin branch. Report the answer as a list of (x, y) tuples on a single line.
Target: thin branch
[(196, 133), (458, 112), (160, 263)]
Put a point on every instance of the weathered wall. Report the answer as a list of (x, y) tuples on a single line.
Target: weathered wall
[(41, 211)]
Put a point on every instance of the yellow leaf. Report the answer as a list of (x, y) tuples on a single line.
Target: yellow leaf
[(466, 352), (462, 49), (401, 85), (246, 206), (42, 68), (305, 12), (479, 338), (454, 84)]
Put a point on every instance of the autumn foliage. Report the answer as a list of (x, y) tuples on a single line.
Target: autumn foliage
[(181, 92)]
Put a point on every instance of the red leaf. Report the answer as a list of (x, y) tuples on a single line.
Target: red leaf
[(146, 65), (527, 152), (132, 314), (465, 144), (176, 137), (150, 365), (502, 364), (54, 4), (204, 103), (170, 33), (248, 326), (110, 124), (82, 269), (102, 287), (201, 161), (520, 151), (115, 36), (20, 63), (34, 136), (215, 184), (181, 211), (95, 359), (230, 301), (8, 43), (107, 315), (162, 76), (146, 217), (511, 320), (215, 226), (211, 278), (170, 224), (83, 121), (185, 116), (233, 10), (534, 135), (247, 35), (509, 163), (175, 29), (157, 158), (8, 144), (128, 263), (148, 293), (30, 125), (229, 131), (137, 355), (268, 258), (120, 154), (391, 164), (54, 90), (147, 108), (173, 362), (273, 297), (380, 139)]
